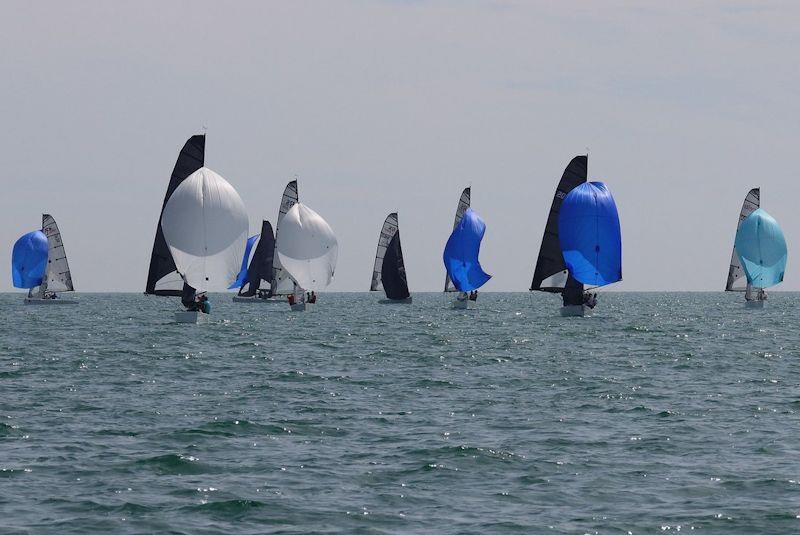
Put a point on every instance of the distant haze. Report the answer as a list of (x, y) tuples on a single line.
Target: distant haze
[(384, 106)]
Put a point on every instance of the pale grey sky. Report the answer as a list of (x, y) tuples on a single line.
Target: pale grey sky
[(384, 106)]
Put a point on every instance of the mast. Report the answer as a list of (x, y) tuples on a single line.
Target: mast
[(463, 204)]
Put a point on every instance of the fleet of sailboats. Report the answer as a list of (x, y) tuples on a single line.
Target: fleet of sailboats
[(201, 244)]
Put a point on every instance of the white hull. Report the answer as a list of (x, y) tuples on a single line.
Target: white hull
[(576, 311), (754, 304), (406, 301), (270, 300), (302, 307), (187, 316), (463, 305), (40, 301)]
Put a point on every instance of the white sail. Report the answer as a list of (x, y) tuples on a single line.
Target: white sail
[(57, 276), (388, 231), (463, 204), (281, 282), (205, 226), (307, 248), (737, 282)]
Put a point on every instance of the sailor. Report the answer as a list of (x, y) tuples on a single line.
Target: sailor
[(292, 299), (462, 296), (205, 304), (762, 295), (590, 299), (313, 297), (473, 295)]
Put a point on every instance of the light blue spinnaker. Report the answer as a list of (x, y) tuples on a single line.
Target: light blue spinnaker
[(29, 260), (241, 278), (461, 253), (589, 233), (762, 249)]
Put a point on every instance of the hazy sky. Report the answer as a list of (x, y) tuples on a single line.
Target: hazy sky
[(384, 106)]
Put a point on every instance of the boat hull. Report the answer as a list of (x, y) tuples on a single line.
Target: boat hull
[(466, 304), (269, 300), (187, 316), (59, 301), (406, 301), (757, 304), (577, 311), (302, 307)]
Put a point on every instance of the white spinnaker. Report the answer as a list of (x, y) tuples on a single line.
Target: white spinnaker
[(737, 281), (388, 231), (307, 248), (282, 283), (205, 225), (58, 277), (463, 204)]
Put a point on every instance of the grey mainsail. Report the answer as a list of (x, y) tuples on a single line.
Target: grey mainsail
[(737, 282)]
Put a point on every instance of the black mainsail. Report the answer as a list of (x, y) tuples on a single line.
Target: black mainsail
[(389, 272), (463, 204), (162, 278), (551, 274), (260, 267)]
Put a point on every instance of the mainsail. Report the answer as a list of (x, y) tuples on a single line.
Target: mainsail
[(205, 228), (551, 273), (29, 260), (260, 268), (762, 249), (589, 234), (57, 277), (737, 282), (307, 248), (281, 282), (463, 205), (389, 272), (162, 279), (461, 253)]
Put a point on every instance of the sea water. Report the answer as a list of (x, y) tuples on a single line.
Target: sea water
[(663, 412)]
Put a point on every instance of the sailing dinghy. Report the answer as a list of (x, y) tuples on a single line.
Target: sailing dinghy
[(759, 253), (259, 269), (40, 260), (307, 251), (389, 272), (200, 236), (461, 255), (582, 244)]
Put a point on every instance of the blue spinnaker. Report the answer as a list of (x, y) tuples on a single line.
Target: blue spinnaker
[(461, 253), (241, 278), (762, 249), (29, 260), (588, 229)]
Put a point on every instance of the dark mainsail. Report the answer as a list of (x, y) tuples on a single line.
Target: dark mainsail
[(260, 267), (551, 274), (393, 271), (190, 159)]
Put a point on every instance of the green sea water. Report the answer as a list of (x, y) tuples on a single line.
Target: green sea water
[(664, 412)]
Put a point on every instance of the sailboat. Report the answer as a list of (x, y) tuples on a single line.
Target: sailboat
[(201, 234), (463, 271), (582, 243), (40, 260), (259, 269), (389, 272), (759, 253), (307, 251)]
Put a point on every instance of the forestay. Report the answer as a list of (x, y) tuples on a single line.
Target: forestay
[(307, 248), (461, 253), (57, 276), (463, 205), (737, 281), (29, 260), (762, 249), (589, 234), (550, 274), (389, 272), (162, 278), (205, 227), (281, 282)]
